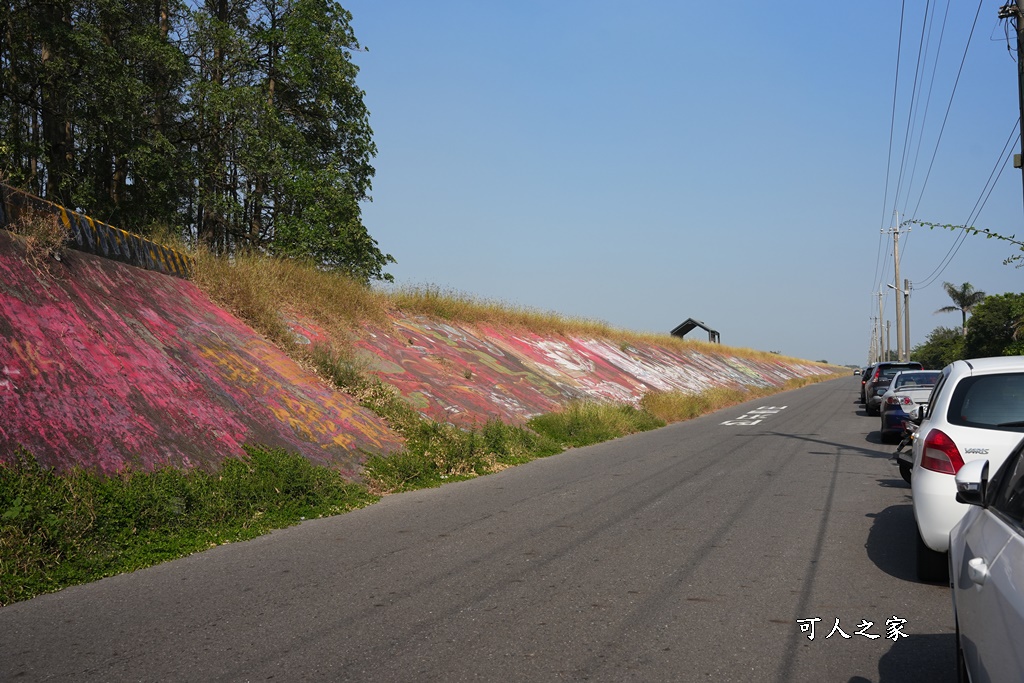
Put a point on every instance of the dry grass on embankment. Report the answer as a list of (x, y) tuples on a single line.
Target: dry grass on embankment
[(258, 290)]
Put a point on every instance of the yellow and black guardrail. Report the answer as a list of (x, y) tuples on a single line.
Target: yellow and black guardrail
[(96, 237)]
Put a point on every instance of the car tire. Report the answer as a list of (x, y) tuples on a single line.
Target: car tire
[(932, 566), (905, 471)]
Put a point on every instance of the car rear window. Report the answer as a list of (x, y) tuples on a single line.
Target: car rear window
[(989, 401), (886, 372), (923, 379)]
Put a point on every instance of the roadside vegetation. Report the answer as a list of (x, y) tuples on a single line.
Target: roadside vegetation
[(990, 325), (58, 530)]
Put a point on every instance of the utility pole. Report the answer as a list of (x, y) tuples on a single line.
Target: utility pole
[(888, 346), (881, 341), (1015, 11), (896, 285), (873, 346), (906, 313)]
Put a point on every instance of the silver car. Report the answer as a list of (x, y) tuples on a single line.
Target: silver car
[(986, 569)]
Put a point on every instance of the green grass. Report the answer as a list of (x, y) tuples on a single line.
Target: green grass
[(58, 530), (583, 423)]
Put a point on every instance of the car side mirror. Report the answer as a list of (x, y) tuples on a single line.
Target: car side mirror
[(918, 416), (972, 483)]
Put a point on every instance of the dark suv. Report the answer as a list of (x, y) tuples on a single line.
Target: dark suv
[(878, 381)]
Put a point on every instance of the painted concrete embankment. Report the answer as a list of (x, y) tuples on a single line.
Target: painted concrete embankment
[(466, 374), (104, 365)]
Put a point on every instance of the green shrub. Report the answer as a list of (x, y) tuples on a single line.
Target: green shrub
[(58, 530), (583, 423)]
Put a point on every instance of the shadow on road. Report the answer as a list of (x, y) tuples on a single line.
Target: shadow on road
[(841, 448), (891, 541)]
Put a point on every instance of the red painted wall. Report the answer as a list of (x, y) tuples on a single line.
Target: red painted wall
[(105, 365), (466, 374)]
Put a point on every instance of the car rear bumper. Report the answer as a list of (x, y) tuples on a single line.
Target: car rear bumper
[(935, 508)]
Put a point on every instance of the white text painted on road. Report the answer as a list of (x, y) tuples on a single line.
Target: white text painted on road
[(755, 416)]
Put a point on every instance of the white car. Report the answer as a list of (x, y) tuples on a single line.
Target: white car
[(976, 411), (986, 555), (908, 391)]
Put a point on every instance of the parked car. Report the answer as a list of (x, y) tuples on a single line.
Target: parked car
[(878, 382), (864, 375), (976, 411), (986, 555), (908, 391)]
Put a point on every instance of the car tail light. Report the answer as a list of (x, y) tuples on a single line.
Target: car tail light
[(940, 454), (898, 401)]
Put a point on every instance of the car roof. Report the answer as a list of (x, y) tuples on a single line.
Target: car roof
[(984, 366)]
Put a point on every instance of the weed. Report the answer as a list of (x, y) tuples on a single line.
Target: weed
[(44, 236), (340, 368), (583, 423)]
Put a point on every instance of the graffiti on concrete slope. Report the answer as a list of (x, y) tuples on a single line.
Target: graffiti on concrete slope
[(467, 374), (106, 366)]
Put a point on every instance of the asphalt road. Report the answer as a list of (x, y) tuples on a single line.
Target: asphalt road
[(685, 554)]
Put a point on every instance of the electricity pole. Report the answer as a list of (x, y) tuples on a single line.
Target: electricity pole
[(881, 340), (896, 285), (873, 346), (906, 313)]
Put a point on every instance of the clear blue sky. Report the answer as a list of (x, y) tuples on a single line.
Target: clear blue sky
[(648, 162)]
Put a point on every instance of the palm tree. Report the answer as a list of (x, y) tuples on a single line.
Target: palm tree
[(965, 298)]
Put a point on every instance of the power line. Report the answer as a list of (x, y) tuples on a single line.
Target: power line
[(949, 106), (986, 192), (892, 132), (927, 106), (908, 134)]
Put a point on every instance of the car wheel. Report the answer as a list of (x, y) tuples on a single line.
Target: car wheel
[(905, 471), (932, 566)]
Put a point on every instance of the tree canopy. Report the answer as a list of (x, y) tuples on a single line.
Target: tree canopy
[(237, 122)]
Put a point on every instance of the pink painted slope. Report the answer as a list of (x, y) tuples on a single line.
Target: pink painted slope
[(104, 365)]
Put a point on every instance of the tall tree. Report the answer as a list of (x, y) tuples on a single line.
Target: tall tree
[(282, 133), (239, 120), (965, 298), (323, 137)]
